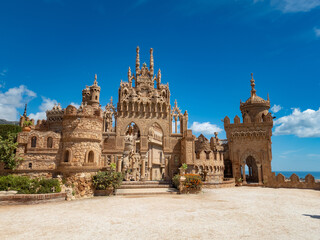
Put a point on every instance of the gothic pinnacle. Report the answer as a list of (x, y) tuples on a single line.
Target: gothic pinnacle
[(151, 61), (137, 61), (253, 90)]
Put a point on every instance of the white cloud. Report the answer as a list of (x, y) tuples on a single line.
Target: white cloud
[(75, 104), (3, 72), (205, 128), (317, 32), (47, 104), (291, 6), (276, 108), (13, 99), (302, 124)]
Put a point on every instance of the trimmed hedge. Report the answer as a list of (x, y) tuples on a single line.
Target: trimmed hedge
[(26, 185)]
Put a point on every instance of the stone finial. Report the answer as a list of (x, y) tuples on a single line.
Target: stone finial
[(253, 90), (151, 61), (95, 83), (268, 98), (137, 60), (111, 99), (25, 110)]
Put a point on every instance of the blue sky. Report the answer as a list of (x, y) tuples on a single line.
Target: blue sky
[(206, 50)]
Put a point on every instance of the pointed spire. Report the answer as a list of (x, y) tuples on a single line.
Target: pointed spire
[(253, 90), (268, 98), (159, 76), (95, 83), (137, 61), (151, 61), (129, 77), (25, 110), (175, 103), (111, 99)]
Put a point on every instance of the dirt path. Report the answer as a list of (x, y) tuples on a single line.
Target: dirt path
[(232, 213)]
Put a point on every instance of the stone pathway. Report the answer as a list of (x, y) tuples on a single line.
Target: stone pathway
[(229, 213)]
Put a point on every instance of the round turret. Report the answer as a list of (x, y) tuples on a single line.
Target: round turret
[(255, 107), (81, 136), (95, 94)]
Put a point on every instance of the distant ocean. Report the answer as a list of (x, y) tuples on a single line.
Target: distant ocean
[(287, 174)]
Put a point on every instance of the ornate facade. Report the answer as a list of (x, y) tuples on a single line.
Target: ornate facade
[(143, 134)]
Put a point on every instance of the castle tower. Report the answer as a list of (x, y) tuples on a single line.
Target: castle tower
[(94, 94), (249, 143), (255, 107)]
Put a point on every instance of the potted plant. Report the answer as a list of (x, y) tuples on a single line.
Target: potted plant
[(106, 182), (26, 126), (192, 183)]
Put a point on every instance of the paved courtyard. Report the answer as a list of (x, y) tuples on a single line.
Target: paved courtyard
[(231, 213)]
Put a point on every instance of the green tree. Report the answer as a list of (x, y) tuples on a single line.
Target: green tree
[(8, 148)]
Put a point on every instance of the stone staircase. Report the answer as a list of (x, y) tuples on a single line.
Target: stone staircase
[(145, 188)]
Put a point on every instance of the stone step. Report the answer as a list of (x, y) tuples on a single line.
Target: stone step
[(145, 186), (146, 191), (144, 183)]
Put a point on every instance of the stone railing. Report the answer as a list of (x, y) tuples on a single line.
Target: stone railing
[(294, 181)]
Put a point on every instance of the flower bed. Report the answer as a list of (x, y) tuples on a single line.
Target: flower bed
[(193, 183), (187, 183), (26, 185)]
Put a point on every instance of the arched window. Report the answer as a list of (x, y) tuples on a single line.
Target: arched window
[(91, 157), (66, 156), (30, 165), (49, 142), (33, 142)]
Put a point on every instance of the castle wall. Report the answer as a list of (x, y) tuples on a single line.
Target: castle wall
[(294, 181)]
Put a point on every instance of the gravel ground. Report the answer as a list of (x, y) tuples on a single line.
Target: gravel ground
[(230, 213)]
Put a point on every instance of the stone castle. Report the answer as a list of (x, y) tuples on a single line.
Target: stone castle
[(145, 136)]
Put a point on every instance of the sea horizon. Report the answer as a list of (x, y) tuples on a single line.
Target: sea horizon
[(301, 174)]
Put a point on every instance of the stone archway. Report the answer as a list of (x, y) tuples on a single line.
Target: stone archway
[(251, 168), (252, 175)]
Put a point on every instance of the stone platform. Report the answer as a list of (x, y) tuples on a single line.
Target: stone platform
[(145, 188)]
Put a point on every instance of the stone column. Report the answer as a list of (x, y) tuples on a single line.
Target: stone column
[(259, 174), (244, 174), (119, 163), (143, 169)]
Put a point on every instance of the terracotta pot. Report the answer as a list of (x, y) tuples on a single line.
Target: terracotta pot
[(26, 129), (106, 192)]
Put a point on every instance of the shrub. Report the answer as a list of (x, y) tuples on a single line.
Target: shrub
[(6, 129), (8, 146), (26, 185), (193, 181), (175, 181), (106, 179)]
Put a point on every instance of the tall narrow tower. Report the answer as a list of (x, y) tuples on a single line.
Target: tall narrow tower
[(95, 94)]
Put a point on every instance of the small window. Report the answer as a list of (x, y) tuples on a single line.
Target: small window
[(208, 155), (96, 97), (160, 157), (49, 142), (66, 156), (91, 157), (30, 165), (33, 142)]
